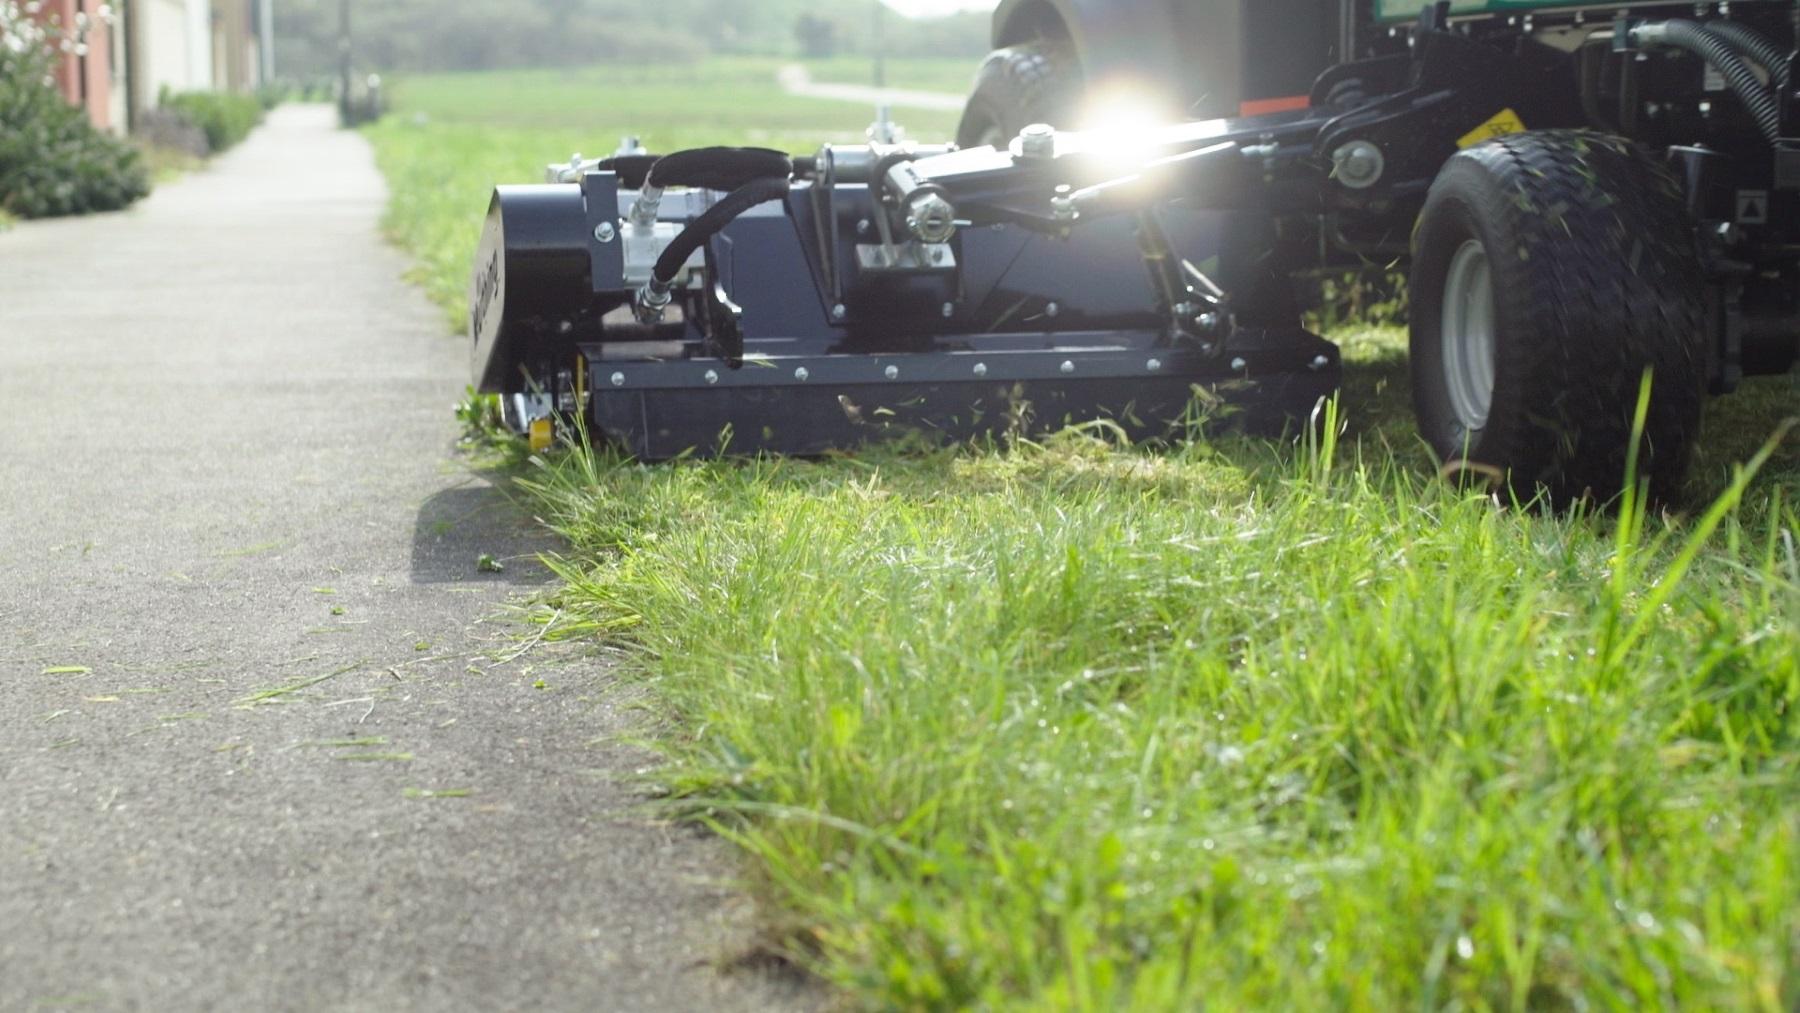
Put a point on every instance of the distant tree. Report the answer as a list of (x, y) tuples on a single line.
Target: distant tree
[(818, 36), (432, 35)]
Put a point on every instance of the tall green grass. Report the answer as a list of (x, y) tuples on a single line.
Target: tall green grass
[(1231, 723), (1078, 726)]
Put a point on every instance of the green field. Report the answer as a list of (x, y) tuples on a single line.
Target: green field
[(1234, 723)]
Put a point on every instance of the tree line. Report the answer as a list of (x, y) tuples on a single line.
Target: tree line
[(447, 35)]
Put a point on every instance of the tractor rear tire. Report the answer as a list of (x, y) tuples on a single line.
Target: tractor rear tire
[(1550, 271), (1034, 82)]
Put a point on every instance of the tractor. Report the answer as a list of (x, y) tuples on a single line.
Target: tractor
[(1592, 201)]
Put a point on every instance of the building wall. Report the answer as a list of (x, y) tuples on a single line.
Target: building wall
[(85, 75), (236, 56), (170, 49), (200, 44), (118, 109)]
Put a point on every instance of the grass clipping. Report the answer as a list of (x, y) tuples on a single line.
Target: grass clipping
[(1077, 725)]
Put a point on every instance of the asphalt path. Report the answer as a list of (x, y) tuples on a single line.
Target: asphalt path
[(269, 738), (795, 79)]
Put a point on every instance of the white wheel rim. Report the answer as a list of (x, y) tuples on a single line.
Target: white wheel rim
[(1468, 335)]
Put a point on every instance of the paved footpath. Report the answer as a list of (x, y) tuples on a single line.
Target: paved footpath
[(266, 740), (795, 79)]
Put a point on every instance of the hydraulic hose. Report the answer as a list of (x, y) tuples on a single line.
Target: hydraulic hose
[(719, 168), (1758, 47), (654, 296), (709, 169), (706, 226), (1713, 48)]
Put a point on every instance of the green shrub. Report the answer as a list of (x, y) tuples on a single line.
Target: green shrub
[(226, 119), (52, 159)]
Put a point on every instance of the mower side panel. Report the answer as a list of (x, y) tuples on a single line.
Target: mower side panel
[(533, 253)]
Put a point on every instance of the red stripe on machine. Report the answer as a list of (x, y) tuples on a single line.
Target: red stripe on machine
[(1263, 106)]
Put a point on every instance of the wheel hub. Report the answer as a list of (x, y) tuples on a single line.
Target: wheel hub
[(1468, 335)]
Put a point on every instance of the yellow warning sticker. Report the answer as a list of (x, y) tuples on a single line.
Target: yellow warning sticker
[(1503, 122)]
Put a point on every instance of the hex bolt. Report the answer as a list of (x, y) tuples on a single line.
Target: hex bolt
[(1238, 365), (863, 227), (801, 374), (949, 310), (981, 369), (1320, 362), (712, 376), (838, 312), (1067, 367), (892, 372), (1037, 141), (605, 232), (1051, 310), (1153, 365), (1208, 321), (618, 379)]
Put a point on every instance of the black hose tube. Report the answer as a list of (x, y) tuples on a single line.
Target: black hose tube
[(1754, 44), (719, 168), (1713, 48), (632, 170), (709, 223)]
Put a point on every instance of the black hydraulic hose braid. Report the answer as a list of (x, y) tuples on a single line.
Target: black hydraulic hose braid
[(1758, 47), (1713, 48), (698, 231), (719, 168)]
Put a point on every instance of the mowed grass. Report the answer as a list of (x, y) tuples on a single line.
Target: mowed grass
[(1240, 724)]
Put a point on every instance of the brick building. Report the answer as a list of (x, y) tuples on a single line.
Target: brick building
[(134, 50), (93, 62)]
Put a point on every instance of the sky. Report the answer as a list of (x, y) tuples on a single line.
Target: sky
[(938, 8)]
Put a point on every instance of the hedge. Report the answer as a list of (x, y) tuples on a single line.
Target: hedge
[(225, 118), (52, 159)]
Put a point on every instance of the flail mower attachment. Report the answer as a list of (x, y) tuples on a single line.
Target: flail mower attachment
[(732, 300)]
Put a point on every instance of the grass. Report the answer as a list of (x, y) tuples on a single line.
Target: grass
[(1228, 723), (167, 164)]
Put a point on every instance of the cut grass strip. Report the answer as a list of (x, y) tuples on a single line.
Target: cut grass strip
[(281, 693), (376, 757), (428, 793), (343, 743)]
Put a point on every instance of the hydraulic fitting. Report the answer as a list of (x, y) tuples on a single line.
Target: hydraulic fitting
[(650, 302), (1358, 165)]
